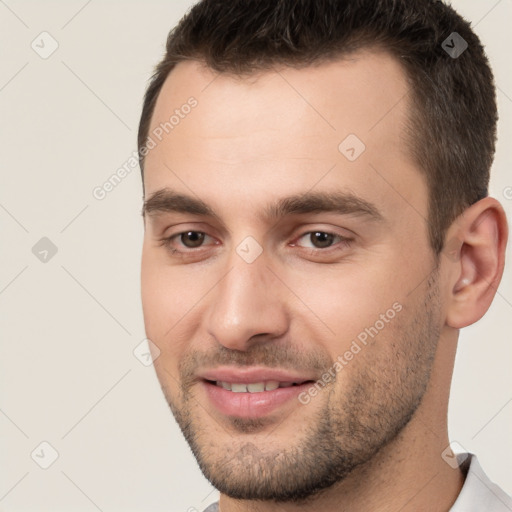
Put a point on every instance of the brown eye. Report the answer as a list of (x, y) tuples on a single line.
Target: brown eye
[(320, 239), (192, 239), (322, 242)]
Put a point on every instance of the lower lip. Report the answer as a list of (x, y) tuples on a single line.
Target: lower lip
[(251, 405)]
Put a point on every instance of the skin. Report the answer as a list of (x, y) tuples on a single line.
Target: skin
[(254, 140)]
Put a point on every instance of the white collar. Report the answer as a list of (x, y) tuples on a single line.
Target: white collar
[(478, 492)]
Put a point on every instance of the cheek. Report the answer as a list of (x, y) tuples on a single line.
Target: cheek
[(346, 300), (163, 301), (162, 310), (172, 298)]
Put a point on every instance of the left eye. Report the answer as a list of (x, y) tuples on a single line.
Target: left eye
[(192, 239), (321, 239)]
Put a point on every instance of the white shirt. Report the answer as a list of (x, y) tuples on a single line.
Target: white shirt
[(478, 494)]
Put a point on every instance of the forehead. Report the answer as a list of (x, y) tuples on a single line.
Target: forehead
[(284, 129), (353, 93)]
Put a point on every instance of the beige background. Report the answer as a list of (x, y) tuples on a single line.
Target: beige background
[(68, 375)]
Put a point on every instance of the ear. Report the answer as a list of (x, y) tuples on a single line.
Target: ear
[(475, 251)]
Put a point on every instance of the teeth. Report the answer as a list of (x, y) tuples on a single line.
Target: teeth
[(239, 388), (257, 387), (253, 387), (271, 385)]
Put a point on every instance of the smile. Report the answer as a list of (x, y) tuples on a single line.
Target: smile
[(255, 387)]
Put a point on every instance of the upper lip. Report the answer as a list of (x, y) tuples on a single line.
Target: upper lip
[(253, 374)]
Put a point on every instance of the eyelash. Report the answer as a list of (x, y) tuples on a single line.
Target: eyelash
[(344, 242)]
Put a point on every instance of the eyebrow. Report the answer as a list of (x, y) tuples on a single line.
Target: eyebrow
[(344, 203)]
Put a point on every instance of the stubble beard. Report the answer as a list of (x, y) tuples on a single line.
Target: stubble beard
[(374, 400)]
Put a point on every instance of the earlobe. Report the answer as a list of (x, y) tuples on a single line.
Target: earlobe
[(476, 260)]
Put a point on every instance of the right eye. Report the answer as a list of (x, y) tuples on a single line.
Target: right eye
[(189, 240)]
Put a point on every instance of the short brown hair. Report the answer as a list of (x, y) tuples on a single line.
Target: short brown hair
[(452, 129)]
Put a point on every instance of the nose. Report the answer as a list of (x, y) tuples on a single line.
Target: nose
[(248, 302)]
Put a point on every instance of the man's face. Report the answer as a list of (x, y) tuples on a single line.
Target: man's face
[(244, 297)]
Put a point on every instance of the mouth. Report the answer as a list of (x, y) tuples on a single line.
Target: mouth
[(255, 387), (253, 392)]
